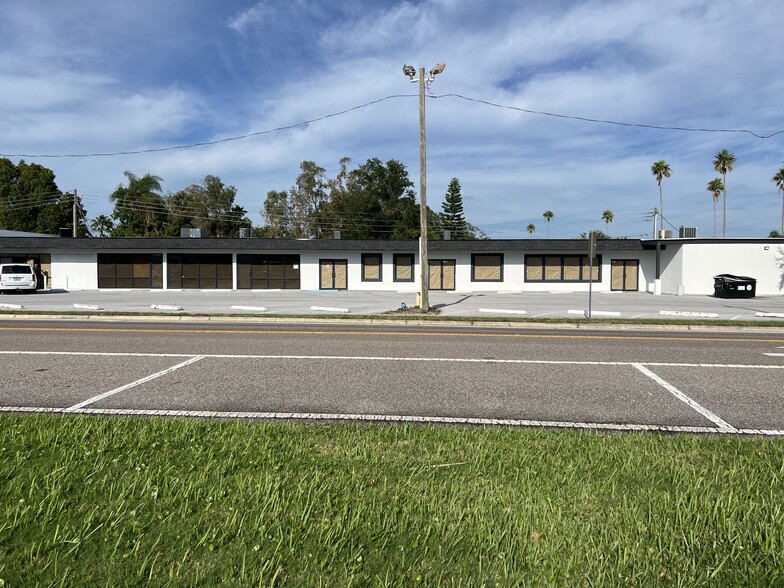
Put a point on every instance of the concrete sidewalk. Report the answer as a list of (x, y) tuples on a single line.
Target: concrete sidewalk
[(623, 305)]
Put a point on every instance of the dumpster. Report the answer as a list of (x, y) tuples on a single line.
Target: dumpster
[(730, 286)]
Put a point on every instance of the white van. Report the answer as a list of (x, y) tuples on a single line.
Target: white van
[(17, 277)]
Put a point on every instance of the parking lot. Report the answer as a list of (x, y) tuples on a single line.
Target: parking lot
[(628, 305)]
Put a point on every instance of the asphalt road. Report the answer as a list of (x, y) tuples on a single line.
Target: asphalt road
[(675, 380)]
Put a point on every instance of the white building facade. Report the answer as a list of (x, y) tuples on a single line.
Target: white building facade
[(668, 266)]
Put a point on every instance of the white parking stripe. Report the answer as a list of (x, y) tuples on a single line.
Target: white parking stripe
[(394, 419), (722, 424), (94, 399)]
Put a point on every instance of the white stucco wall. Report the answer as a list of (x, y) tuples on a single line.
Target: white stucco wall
[(690, 265), (74, 270), (702, 261)]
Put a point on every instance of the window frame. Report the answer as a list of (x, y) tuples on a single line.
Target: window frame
[(395, 262), (380, 266), (129, 276), (582, 264), (475, 256)]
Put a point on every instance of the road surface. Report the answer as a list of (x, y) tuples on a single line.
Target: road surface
[(623, 380)]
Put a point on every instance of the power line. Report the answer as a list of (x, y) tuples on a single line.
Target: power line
[(768, 134), (613, 122)]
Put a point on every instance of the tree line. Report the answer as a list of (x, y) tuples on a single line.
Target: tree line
[(372, 201), (375, 200)]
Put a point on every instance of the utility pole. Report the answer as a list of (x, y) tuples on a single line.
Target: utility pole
[(424, 302), (75, 215), (423, 260), (655, 213)]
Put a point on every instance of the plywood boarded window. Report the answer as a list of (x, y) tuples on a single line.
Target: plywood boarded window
[(403, 267), (487, 267), (533, 268), (561, 268), (371, 267), (597, 264), (571, 268), (552, 268)]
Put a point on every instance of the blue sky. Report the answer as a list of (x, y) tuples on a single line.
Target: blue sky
[(95, 76)]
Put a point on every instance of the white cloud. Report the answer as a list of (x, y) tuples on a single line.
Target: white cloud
[(255, 15), (682, 63)]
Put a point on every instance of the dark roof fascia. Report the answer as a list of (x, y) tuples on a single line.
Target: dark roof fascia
[(651, 243), (255, 244)]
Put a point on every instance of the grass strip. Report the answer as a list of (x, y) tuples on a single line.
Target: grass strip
[(123, 502)]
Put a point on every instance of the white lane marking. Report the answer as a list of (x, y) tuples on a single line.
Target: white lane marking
[(330, 309), (502, 311), (132, 384), (258, 308), (382, 358), (722, 424), (394, 419), (770, 314)]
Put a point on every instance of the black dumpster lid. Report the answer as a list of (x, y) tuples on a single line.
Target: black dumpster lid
[(733, 278)]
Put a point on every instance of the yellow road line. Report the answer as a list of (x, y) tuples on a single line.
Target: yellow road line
[(393, 333)]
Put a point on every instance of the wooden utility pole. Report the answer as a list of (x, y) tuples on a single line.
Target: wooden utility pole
[(423, 261), (75, 215)]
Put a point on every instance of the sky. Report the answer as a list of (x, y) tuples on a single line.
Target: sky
[(105, 76)]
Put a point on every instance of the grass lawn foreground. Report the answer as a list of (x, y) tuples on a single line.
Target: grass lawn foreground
[(93, 501)]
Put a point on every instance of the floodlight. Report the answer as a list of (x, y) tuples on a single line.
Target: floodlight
[(409, 70), (437, 69)]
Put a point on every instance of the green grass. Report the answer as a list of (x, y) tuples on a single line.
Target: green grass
[(88, 501)]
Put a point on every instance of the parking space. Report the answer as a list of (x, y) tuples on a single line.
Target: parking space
[(60, 381), (746, 402), (618, 395)]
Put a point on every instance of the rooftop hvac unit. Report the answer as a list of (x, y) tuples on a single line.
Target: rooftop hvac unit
[(245, 232), (665, 234), (687, 232), (191, 233)]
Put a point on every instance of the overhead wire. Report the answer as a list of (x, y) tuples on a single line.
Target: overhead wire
[(767, 135)]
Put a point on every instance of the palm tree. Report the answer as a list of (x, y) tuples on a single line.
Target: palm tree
[(548, 216), (778, 179), (531, 228), (715, 186), (661, 169), (722, 163), (607, 217), (102, 225)]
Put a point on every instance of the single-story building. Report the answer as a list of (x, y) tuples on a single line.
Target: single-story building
[(669, 266)]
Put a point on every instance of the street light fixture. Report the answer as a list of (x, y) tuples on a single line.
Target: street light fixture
[(410, 71)]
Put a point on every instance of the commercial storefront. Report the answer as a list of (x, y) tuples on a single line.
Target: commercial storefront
[(671, 266)]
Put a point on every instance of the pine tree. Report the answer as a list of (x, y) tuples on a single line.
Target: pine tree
[(452, 217)]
